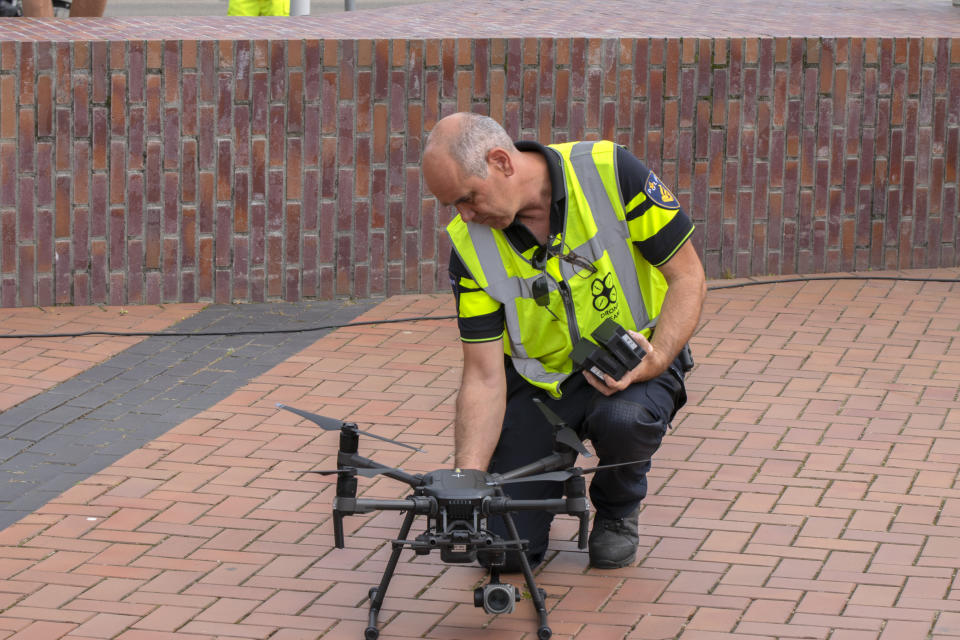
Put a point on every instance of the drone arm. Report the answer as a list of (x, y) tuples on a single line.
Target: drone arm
[(346, 460), (504, 504), (574, 504), (349, 506), (547, 463), (352, 506), (419, 505)]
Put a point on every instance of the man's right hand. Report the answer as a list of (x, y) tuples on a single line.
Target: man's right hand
[(608, 386)]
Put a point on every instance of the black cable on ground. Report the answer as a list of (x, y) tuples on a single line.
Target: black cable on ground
[(241, 332), (190, 334)]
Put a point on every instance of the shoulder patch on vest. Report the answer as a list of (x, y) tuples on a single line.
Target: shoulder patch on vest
[(659, 193)]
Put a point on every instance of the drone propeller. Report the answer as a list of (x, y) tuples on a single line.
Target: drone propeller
[(332, 424), (565, 435), (565, 474), (366, 472)]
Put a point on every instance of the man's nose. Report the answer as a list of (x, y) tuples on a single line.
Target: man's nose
[(466, 213)]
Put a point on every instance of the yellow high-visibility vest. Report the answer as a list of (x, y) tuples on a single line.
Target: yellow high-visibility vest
[(620, 284), (258, 8)]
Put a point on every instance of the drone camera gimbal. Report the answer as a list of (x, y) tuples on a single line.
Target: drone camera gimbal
[(496, 597)]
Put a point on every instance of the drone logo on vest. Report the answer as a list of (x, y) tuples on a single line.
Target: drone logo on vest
[(604, 295)]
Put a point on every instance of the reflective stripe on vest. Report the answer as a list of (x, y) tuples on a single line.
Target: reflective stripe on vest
[(506, 289), (484, 252), (612, 232)]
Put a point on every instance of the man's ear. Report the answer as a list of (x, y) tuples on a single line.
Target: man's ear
[(498, 158)]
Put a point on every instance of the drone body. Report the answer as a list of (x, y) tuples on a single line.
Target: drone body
[(457, 528)]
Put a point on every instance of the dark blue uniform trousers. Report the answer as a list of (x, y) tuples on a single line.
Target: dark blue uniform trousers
[(626, 426)]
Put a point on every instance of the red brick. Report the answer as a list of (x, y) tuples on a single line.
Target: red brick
[(51, 630)]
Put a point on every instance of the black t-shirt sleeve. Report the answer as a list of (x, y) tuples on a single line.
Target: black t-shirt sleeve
[(658, 225), (479, 317)]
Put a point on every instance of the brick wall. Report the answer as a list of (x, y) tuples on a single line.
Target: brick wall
[(147, 171)]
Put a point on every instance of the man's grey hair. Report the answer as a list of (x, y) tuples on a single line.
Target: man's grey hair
[(474, 139)]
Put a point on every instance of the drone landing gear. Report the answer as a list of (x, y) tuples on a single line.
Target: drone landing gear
[(377, 594), (371, 632), (498, 595), (537, 595)]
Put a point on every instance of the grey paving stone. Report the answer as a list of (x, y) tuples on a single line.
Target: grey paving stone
[(155, 406), (181, 391), (227, 378), (33, 499), (125, 360), (149, 370), (206, 377), (137, 396), (12, 515), (164, 358), (22, 414), (68, 449), (109, 412), (124, 446), (12, 490), (171, 416), (197, 403), (10, 447), (35, 430), (165, 378), (253, 351), (120, 385), (227, 343), (221, 389), (47, 401), (64, 413), (103, 373), (184, 369), (59, 483), (186, 347), (84, 427), (91, 400), (72, 388), (94, 464), (24, 461)]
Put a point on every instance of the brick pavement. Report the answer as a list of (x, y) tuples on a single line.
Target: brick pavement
[(808, 490)]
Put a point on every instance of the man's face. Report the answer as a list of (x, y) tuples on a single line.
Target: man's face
[(479, 200)]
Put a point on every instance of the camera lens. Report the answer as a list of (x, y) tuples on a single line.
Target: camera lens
[(499, 599)]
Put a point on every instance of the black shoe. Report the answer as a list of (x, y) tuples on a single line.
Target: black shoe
[(613, 542)]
